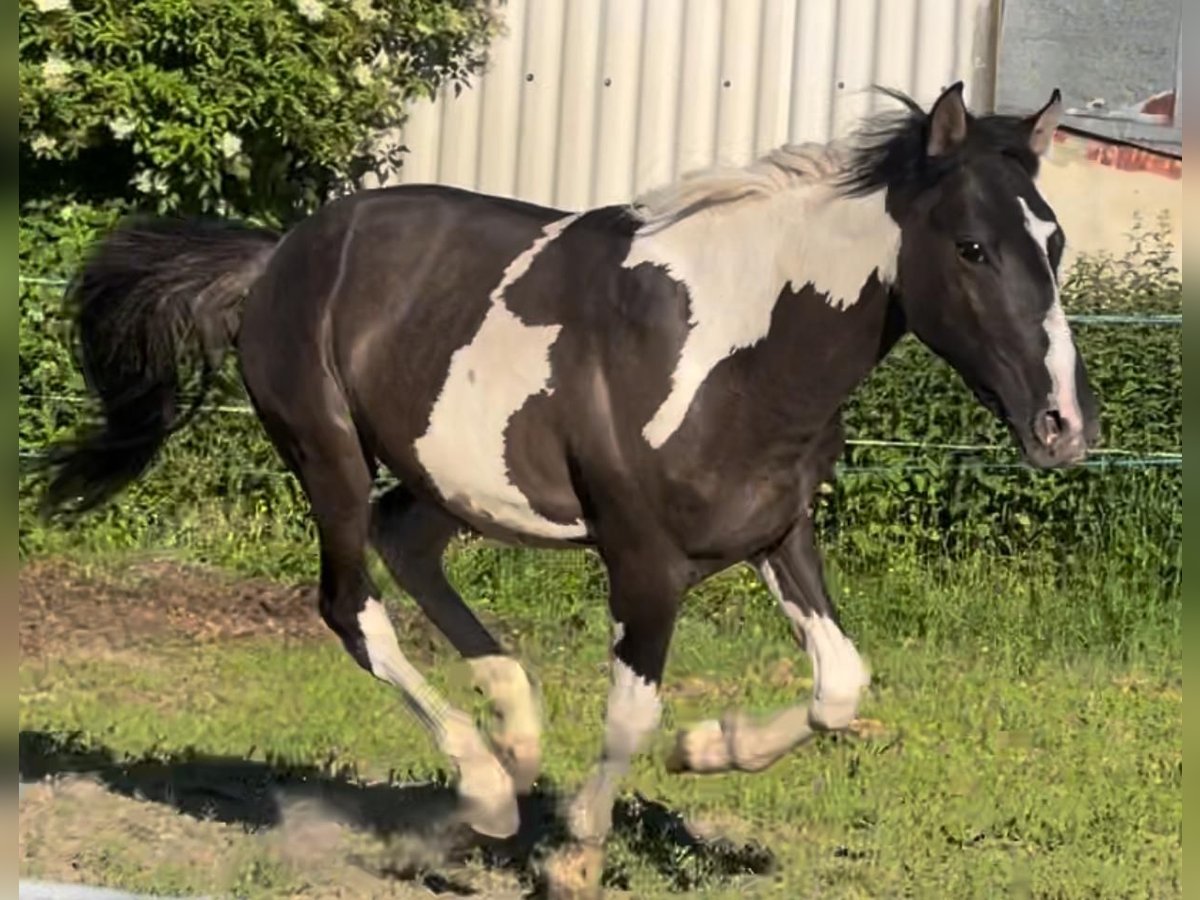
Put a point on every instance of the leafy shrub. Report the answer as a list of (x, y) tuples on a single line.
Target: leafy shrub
[(259, 107)]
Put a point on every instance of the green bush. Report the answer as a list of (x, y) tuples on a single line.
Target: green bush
[(256, 107)]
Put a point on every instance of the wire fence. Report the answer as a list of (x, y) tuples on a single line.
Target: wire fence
[(1153, 319), (1100, 458)]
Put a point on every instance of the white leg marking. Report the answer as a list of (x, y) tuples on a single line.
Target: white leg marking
[(839, 674), (517, 738), (389, 664), (634, 711), (735, 261), (488, 381), (484, 785), (1060, 356)]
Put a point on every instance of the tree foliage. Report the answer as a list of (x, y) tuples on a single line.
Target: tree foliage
[(256, 107)]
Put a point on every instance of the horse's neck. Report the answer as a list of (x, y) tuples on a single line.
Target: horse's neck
[(815, 358), (799, 275)]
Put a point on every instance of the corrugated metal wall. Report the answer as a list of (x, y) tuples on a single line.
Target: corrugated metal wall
[(586, 102)]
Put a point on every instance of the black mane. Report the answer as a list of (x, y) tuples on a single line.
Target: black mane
[(889, 148)]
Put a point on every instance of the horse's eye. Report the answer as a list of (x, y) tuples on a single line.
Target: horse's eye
[(971, 251)]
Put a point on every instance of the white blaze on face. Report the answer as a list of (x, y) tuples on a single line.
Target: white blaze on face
[(1060, 355), (489, 380), (736, 260)]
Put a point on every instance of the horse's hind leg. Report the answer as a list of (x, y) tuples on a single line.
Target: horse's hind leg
[(411, 536), (793, 575), (309, 423)]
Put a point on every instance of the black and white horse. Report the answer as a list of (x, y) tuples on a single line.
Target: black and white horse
[(660, 381)]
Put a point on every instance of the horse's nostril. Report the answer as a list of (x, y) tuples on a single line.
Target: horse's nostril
[(1049, 427)]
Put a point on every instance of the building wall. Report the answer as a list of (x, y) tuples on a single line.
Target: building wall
[(587, 102), (1099, 189)]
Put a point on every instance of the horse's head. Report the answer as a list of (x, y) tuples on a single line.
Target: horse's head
[(977, 276)]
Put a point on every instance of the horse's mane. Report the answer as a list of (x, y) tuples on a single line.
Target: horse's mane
[(781, 168), (885, 150)]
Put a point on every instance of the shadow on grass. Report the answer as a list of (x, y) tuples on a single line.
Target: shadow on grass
[(255, 794)]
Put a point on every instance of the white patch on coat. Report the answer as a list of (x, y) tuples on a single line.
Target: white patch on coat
[(736, 257), (1060, 355), (618, 632), (488, 381), (839, 674)]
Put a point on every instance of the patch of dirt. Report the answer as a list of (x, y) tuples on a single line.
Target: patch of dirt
[(72, 829), (225, 826), (66, 607)]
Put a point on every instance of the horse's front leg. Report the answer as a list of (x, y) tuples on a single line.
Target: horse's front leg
[(644, 600), (793, 573)]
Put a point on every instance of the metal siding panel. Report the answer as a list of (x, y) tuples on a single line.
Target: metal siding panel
[(540, 83), (698, 78), (459, 146), (662, 55), (778, 29), (855, 64), (935, 50), (616, 134), (577, 122), (569, 139), (812, 74), (895, 54), (500, 122), (422, 135), (737, 91)]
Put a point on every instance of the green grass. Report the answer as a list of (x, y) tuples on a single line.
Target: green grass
[(1027, 747)]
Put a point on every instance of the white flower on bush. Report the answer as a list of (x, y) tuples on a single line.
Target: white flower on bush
[(363, 9), (43, 144), (48, 6), (313, 10), (148, 182), (231, 145), (55, 71), (362, 74), (121, 127)]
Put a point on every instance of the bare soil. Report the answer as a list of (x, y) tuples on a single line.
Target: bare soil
[(95, 819), (66, 607)]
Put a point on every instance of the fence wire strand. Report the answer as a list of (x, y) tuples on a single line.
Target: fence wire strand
[(1160, 319)]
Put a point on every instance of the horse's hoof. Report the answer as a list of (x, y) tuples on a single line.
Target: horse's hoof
[(701, 748), (522, 758), (573, 872), (494, 817)]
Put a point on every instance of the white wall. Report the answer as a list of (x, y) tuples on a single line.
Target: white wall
[(586, 102)]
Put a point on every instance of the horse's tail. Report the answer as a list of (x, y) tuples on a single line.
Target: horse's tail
[(155, 306)]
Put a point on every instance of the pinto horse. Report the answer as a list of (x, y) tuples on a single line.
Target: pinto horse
[(661, 381)]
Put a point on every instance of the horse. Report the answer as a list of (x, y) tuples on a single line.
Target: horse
[(660, 380)]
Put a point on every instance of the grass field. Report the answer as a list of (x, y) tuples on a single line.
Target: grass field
[(1023, 737)]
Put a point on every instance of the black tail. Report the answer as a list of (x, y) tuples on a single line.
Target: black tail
[(156, 306)]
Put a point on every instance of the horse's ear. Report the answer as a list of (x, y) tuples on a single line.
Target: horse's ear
[(1043, 123), (947, 121)]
